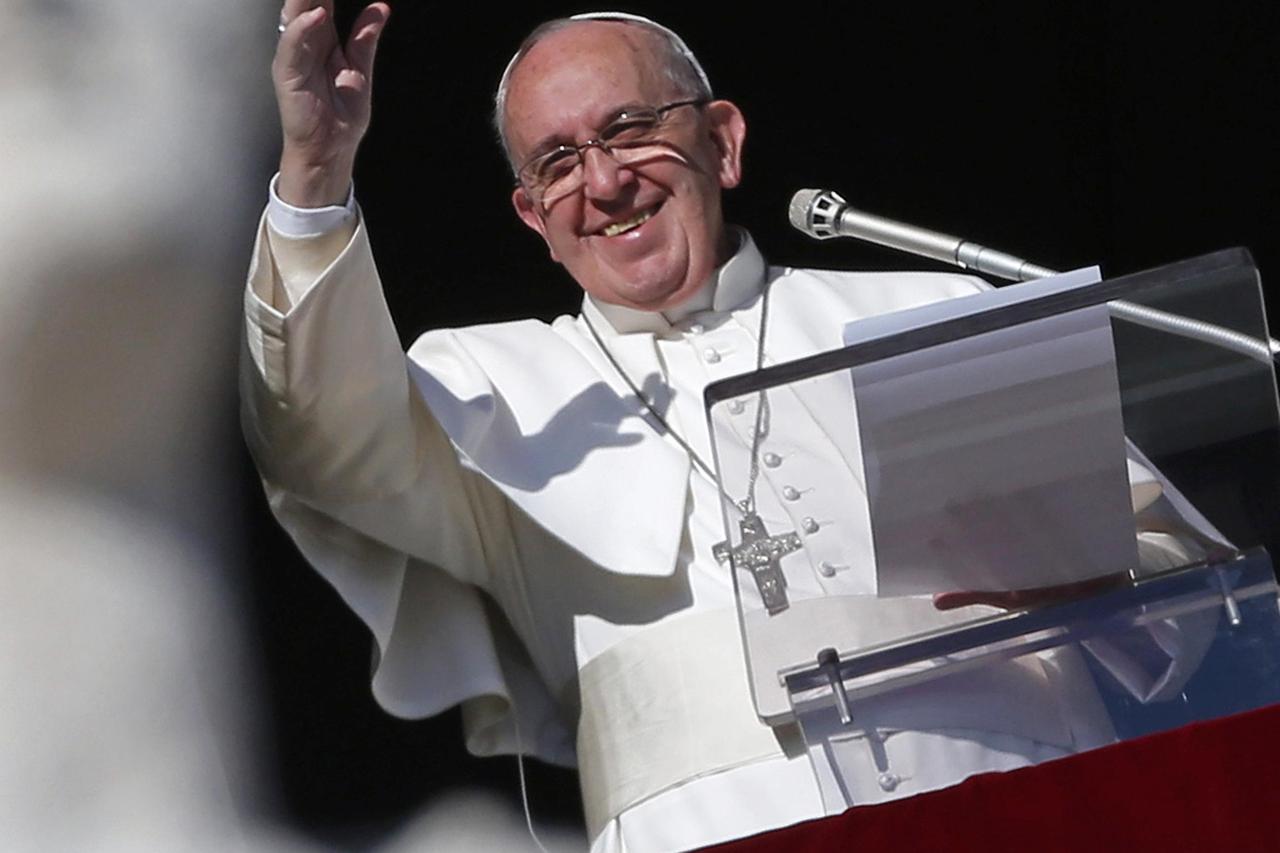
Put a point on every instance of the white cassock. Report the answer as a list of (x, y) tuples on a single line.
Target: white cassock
[(522, 538)]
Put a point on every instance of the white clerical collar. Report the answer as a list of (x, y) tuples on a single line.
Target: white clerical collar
[(733, 284)]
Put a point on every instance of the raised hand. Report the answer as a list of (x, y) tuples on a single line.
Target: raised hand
[(323, 89)]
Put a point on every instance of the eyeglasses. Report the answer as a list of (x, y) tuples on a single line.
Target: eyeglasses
[(634, 136)]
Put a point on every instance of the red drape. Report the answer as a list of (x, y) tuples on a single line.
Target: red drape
[(1209, 787)]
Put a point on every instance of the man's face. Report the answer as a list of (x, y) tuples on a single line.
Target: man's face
[(569, 86)]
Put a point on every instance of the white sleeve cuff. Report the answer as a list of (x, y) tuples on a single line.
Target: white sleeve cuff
[(300, 222)]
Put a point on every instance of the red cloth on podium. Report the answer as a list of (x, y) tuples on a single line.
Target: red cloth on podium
[(1205, 787)]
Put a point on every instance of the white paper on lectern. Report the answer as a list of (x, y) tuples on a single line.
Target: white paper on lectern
[(881, 325), (996, 461)]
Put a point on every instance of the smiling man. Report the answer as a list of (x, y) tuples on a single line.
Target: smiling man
[(524, 513), (638, 225)]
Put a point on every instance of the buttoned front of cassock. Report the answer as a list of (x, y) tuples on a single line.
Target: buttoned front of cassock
[(515, 459), (809, 462), (810, 481)]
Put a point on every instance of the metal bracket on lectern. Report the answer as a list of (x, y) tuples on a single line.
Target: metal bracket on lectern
[(841, 679), (1229, 602), (829, 664)]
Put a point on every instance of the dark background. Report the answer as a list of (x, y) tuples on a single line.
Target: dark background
[(1070, 134)]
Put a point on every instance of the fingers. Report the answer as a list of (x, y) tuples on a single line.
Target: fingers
[(1039, 596), (294, 8), (362, 46), (299, 47), (953, 600)]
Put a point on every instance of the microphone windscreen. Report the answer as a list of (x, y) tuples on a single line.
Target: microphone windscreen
[(799, 211)]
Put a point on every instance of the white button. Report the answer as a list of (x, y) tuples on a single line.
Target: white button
[(888, 781), (696, 328), (809, 525), (736, 407), (772, 460), (826, 569), (791, 493), (710, 355)]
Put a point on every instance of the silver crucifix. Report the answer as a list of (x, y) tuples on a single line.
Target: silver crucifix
[(761, 555)]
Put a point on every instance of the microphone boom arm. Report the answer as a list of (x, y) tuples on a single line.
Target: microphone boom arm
[(823, 214)]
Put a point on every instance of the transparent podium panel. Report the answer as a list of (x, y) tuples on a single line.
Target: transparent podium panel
[(1008, 527)]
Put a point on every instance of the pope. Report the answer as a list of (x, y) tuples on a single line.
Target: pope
[(523, 513)]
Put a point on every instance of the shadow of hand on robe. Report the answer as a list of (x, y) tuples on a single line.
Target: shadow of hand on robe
[(596, 419)]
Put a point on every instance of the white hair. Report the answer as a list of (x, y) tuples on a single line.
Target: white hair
[(677, 61)]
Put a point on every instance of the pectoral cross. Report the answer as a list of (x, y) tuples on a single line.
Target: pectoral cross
[(761, 555)]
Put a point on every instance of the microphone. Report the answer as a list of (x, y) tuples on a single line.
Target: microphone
[(823, 214)]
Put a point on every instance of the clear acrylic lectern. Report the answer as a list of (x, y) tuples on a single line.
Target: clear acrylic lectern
[(1118, 476)]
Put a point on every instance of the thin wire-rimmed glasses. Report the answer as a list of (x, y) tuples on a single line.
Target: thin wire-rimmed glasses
[(634, 136)]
